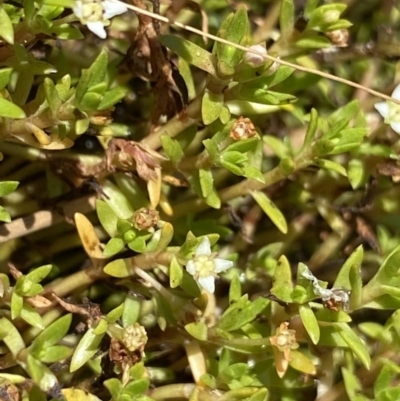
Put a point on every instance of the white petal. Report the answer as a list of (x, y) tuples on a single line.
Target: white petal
[(78, 9), (396, 93), (204, 248), (111, 9), (208, 283), (395, 127), (222, 265), (382, 108), (97, 28), (191, 268)]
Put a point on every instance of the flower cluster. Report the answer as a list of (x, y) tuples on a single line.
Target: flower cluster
[(97, 13), (205, 266)]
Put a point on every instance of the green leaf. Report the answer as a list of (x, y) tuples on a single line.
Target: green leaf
[(325, 16), (41, 374), (114, 246), (76, 394), (10, 110), (90, 78), (4, 215), (114, 386), (118, 268), (243, 146), (7, 187), (310, 322), (238, 315), (55, 353), (352, 384), (98, 70), (355, 344), (326, 315), (52, 334), (114, 315), (175, 273), (172, 148), (270, 210), (198, 330), (310, 6), (206, 182), (117, 200), (11, 337), (38, 274), (131, 312), (234, 157), (235, 28), (384, 380), (211, 106), (86, 349), (260, 395), (267, 97), (331, 165), (5, 75), (111, 97), (286, 17), (17, 303), (253, 173), (387, 274), (53, 100), (301, 363), (6, 26), (343, 277), (61, 3), (356, 172), (282, 286), (347, 139), (231, 167), (235, 289), (313, 41), (311, 129), (190, 52), (213, 199), (137, 387), (107, 217), (31, 316), (138, 244), (266, 82), (356, 286), (90, 101)]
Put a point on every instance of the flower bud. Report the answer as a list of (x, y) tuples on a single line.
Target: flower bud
[(331, 16), (255, 60)]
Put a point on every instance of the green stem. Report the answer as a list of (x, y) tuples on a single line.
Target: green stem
[(174, 126), (182, 390), (244, 187), (66, 285)]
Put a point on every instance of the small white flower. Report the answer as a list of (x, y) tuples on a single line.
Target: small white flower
[(205, 266), (96, 14), (391, 111)]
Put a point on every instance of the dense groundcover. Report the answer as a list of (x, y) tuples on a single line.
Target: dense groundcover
[(199, 200)]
